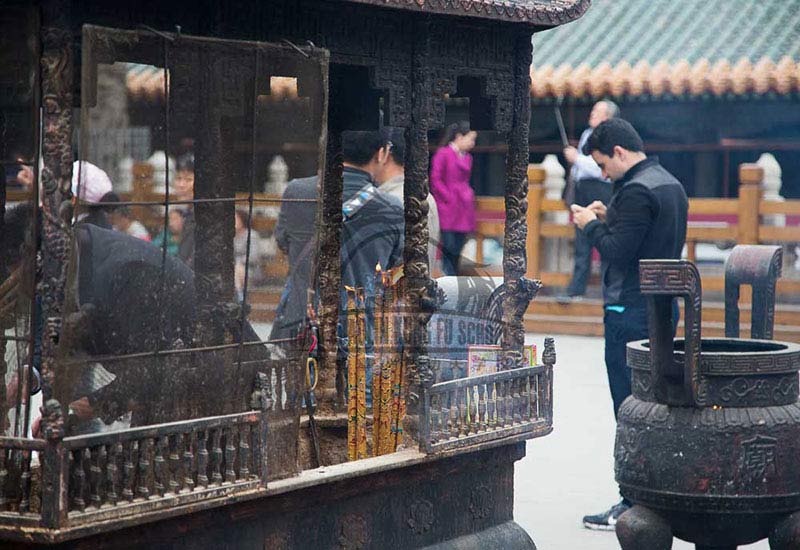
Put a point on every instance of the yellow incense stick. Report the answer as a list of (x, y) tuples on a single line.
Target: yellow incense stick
[(361, 391), (377, 365), (351, 372)]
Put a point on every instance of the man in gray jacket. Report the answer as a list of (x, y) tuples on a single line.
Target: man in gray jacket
[(372, 232), (392, 178)]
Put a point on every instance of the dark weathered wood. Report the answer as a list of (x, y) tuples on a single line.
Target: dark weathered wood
[(487, 407), (202, 458), (230, 455), (216, 456), (25, 483), (263, 436), (22, 443), (188, 461), (158, 430), (3, 476), (78, 481), (143, 489), (128, 470), (112, 472), (175, 478), (160, 471), (244, 451), (330, 399), (95, 476)]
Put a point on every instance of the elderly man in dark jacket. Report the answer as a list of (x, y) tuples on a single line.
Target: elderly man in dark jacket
[(646, 218), (122, 301)]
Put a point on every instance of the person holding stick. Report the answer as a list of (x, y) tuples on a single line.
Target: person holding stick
[(587, 185)]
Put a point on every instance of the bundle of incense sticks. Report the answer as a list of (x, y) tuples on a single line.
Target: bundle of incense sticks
[(398, 405), (352, 360), (378, 343), (361, 377), (387, 370)]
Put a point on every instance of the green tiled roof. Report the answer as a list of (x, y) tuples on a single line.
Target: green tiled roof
[(669, 32)]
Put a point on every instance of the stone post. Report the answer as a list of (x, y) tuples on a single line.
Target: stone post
[(558, 253)]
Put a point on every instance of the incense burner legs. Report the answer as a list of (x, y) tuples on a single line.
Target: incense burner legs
[(643, 529), (786, 534)]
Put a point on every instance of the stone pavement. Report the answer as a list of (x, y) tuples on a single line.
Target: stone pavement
[(570, 472)]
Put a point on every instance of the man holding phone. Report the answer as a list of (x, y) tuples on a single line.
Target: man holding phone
[(645, 218)]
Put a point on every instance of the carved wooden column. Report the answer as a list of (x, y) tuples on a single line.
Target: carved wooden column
[(57, 103), (519, 289), (329, 269), (213, 256), (420, 290)]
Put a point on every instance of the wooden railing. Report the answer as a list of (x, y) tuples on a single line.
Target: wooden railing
[(736, 221), (477, 409), (67, 482)]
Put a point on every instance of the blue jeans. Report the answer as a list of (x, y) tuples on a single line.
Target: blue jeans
[(452, 244), (621, 328)]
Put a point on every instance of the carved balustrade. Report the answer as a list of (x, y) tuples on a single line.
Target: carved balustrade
[(515, 403), (116, 474)]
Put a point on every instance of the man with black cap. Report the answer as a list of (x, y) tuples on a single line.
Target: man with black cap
[(645, 218)]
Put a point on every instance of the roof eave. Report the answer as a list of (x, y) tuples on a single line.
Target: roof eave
[(534, 13)]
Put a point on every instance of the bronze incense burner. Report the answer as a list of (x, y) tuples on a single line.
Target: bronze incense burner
[(706, 446)]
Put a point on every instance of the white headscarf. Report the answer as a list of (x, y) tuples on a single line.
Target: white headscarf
[(94, 181)]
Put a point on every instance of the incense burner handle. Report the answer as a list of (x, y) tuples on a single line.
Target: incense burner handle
[(662, 281), (760, 267)]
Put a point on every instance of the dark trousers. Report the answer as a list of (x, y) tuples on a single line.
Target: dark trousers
[(586, 192), (621, 328), (452, 244), (583, 264)]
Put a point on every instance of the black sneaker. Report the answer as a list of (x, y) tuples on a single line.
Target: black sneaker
[(607, 520)]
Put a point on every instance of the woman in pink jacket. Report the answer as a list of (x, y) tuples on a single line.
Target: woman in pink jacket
[(451, 166)]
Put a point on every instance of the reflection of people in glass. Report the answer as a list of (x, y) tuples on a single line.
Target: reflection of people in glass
[(294, 234), (89, 185), (240, 256), (451, 167), (122, 219), (183, 189), (172, 235), (124, 303)]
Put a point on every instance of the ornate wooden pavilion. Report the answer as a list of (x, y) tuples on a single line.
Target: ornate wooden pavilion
[(209, 457)]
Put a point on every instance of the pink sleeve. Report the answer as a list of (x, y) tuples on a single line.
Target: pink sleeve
[(439, 188)]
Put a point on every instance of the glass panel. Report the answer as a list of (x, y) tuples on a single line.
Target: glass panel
[(19, 60), (18, 158), (178, 327)]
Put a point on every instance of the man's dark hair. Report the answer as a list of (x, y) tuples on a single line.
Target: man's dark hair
[(186, 162), (397, 137), (611, 133), (17, 230), (460, 128), (359, 147), (112, 197)]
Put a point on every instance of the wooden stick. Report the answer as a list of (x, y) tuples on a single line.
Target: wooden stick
[(361, 380), (377, 364), (386, 374), (351, 372), (398, 401)]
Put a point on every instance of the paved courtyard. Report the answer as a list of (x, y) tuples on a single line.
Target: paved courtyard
[(570, 472)]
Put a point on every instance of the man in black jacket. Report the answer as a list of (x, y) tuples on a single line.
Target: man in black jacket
[(646, 218)]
